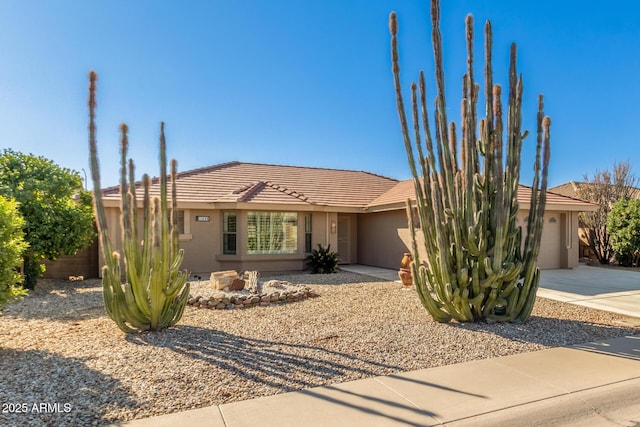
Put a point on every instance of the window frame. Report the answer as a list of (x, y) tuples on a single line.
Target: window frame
[(226, 233), (281, 224)]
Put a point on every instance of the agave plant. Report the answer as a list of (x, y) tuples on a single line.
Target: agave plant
[(155, 291), (322, 260), (476, 266)]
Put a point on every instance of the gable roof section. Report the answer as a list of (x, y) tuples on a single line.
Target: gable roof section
[(237, 182), (396, 198)]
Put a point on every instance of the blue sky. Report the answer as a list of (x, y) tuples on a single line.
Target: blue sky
[(304, 82)]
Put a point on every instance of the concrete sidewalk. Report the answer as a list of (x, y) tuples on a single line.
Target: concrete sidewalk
[(594, 384)]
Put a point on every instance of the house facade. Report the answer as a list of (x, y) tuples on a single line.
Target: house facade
[(245, 216), (248, 216), (572, 189), (559, 243)]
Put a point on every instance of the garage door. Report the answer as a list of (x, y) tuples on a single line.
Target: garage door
[(550, 249), (550, 254)]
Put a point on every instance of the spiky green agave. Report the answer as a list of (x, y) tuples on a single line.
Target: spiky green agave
[(155, 292), (466, 194)]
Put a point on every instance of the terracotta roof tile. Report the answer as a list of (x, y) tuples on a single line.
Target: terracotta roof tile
[(404, 190), (263, 183)]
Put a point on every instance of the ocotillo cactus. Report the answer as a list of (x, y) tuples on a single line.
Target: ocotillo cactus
[(466, 194), (155, 291)]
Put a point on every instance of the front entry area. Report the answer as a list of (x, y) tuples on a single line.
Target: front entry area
[(344, 239)]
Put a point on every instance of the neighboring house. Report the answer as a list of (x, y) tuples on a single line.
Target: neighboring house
[(571, 189), (261, 217)]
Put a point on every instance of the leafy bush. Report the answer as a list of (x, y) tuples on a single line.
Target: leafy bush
[(12, 245), (322, 260), (57, 211), (623, 223)]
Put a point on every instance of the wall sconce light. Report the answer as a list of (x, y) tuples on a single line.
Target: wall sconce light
[(333, 227)]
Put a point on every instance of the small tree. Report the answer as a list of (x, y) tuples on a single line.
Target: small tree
[(57, 211), (623, 224), (605, 189), (12, 245)]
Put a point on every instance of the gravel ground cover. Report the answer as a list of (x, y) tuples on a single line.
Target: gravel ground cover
[(64, 362)]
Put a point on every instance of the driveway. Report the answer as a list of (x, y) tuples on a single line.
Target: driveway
[(609, 289)]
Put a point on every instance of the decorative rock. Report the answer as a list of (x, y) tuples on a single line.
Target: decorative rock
[(237, 285), (223, 279), (266, 293)]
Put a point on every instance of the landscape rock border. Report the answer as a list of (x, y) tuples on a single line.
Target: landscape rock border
[(221, 300)]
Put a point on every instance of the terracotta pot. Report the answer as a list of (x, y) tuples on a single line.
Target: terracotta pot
[(405, 277)]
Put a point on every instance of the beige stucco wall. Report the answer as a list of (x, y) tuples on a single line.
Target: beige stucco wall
[(383, 238), (202, 242), (559, 244)]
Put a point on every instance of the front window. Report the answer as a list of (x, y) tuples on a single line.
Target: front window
[(179, 220), (272, 232), (229, 232), (308, 245)]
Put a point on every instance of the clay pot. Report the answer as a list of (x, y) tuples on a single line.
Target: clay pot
[(405, 277)]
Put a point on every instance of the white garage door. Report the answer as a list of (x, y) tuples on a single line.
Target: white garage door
[(549, 256)]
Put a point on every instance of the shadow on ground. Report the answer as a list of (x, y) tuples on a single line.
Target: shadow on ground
[(83, 405), (276, 364)]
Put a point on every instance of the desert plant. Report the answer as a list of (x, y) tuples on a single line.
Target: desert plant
[(623, 224), (12, 245), (466, 194), (155, 291), (322, 260)]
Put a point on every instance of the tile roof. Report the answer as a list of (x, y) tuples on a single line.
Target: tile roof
[(274, 184), (570, 189), (398, 195)]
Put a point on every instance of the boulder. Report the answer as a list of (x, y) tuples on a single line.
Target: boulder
[(223, 279)]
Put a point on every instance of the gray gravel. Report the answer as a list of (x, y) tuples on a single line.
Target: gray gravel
[(58, 347)]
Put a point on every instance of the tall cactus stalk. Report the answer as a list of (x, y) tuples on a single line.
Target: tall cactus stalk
[(476, 266), (155, 291)]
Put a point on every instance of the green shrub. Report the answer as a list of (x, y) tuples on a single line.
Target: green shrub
[(322, 260), (623, 223), (12, 245), (57, 211)]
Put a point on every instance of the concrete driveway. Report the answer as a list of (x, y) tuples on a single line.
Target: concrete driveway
[(609, 289)]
